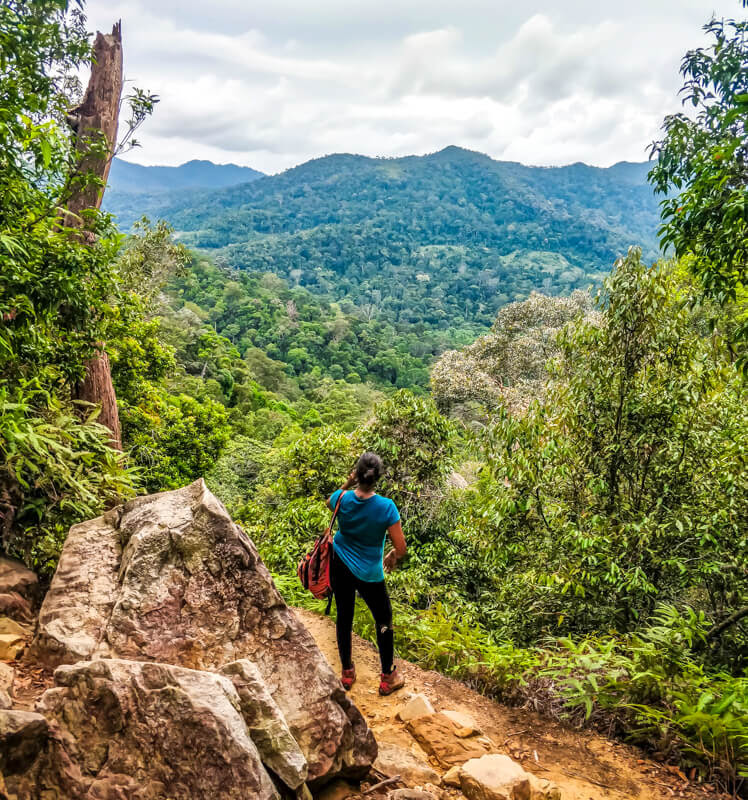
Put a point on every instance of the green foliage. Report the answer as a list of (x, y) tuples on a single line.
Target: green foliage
[(55, 470), (508, 365), (703, 165), (287, 336), (416, 444), (235, 471), (174, 438), (625, 487), (56, 292)]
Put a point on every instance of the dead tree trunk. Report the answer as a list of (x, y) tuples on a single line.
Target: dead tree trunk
[(96, 117)]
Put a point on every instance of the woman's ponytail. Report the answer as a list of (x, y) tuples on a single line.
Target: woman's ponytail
[(369, 470)]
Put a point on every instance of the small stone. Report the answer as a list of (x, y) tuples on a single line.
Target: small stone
[(5, 701), (8, 625), (418, 706), (495, 777), (543, 789), (394, 760), (7, 675), (452, 777), (410, 794), (11, 646), (463, 722)]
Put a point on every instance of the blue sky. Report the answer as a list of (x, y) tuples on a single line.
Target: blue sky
[(272, 83)]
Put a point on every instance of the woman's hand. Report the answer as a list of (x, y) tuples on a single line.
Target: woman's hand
[(351, 480), (390, 561)]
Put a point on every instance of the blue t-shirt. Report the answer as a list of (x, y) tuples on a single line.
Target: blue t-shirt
[(362, 527)]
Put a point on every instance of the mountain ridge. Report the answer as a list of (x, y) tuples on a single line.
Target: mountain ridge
[(196, 173), (441, 240)]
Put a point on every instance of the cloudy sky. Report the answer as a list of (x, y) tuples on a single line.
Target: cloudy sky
[(272, 83)]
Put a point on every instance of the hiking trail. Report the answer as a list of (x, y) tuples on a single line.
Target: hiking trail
[(585, 765)]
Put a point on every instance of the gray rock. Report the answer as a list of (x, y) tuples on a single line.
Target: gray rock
[(417, 706), (171, 578)]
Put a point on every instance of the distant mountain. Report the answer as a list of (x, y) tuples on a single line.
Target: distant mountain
[(440, 241), (135, 189)]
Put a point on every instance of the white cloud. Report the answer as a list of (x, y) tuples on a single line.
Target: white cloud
[(275, 82)]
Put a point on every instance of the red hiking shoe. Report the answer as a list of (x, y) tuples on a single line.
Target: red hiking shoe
[(348, 678), (391, 683)]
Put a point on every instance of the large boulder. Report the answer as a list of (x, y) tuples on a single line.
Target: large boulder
[(171, 578), (132, 730)]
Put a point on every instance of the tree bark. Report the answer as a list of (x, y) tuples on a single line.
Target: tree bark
[(97, 116)]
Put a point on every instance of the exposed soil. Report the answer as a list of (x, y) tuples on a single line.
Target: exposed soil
[(586, 766)]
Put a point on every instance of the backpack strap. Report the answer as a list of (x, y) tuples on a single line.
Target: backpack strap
[(335, 513)]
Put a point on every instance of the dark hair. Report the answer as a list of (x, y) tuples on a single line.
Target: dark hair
[(369, 469)]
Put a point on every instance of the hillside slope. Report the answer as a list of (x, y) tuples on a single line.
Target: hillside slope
[(439, 240)]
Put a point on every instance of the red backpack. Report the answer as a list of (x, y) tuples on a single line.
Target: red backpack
[(314, 568)]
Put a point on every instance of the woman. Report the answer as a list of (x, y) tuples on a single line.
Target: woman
[(364, 520)]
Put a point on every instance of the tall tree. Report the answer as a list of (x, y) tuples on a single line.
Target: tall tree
[(702, 167)]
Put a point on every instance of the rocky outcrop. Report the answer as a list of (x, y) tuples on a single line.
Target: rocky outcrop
[(170, 578), (132, 730)]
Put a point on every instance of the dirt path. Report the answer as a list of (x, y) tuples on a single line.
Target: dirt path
[(584, 765)]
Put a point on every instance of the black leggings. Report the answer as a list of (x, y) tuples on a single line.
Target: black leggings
[(345, 585)]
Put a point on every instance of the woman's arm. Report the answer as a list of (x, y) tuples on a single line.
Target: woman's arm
[(350, 483), (397, 538)]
